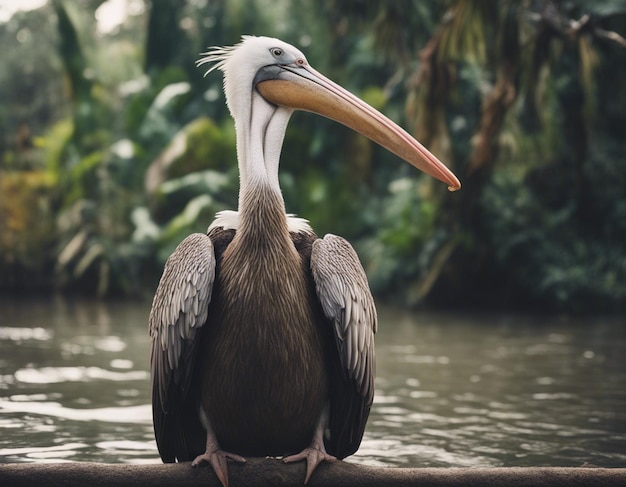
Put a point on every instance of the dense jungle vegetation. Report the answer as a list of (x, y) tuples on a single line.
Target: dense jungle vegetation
[(114, 147)]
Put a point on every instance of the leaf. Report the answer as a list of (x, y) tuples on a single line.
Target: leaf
[(94, 252), (72, 249), (202, 181)]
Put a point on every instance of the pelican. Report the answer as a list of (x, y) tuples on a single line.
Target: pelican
[(262, 332)]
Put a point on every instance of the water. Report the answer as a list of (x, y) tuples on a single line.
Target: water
[(452, 390)]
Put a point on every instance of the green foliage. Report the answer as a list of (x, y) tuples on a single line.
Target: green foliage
[(55, 145), (402, 232), (120, 147), (557, 259), (207, 146), (25, 228)]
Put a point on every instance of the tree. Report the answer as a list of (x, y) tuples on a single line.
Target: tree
[(546, 53)]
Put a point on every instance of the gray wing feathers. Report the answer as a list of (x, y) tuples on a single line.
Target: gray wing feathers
[(346, 299), (179, 309)]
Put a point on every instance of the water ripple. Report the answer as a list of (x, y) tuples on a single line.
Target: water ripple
[(53, 375), (19, 334), (128, 448), (29, 451), (127, 414)]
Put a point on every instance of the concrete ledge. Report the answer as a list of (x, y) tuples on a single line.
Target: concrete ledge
[(272, 472)]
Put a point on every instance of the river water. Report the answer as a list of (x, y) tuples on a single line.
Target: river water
[(452, 390)]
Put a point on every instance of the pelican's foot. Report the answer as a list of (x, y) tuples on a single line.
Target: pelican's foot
[(314, 455), (217, 460)]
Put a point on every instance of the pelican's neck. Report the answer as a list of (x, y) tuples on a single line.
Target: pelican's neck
[(259, 140)]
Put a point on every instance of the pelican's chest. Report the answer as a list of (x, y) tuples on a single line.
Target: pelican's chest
[(264, 307), (265, 288), (263, 351)]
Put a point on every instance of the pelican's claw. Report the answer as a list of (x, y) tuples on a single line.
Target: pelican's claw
[(217, 460), (313, 456)]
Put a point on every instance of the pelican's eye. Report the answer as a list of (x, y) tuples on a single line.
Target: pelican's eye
[(276, 52)]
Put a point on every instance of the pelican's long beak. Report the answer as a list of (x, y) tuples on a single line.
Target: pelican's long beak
[(303, 88)]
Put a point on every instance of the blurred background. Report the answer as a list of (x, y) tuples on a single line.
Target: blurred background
[(114, 147)]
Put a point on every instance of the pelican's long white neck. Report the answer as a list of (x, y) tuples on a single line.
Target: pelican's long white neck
[(260, 134)]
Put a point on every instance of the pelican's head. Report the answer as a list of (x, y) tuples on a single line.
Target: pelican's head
[(242, 62), (282, 76)]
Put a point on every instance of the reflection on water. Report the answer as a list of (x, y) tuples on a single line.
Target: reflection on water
[(451, 390)]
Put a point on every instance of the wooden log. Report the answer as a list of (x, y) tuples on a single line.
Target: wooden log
[(267, 472)]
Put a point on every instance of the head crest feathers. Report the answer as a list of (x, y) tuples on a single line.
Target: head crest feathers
[(217, 56)]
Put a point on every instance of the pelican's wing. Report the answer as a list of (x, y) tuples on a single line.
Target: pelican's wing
[(347, 302), (179, 310)]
